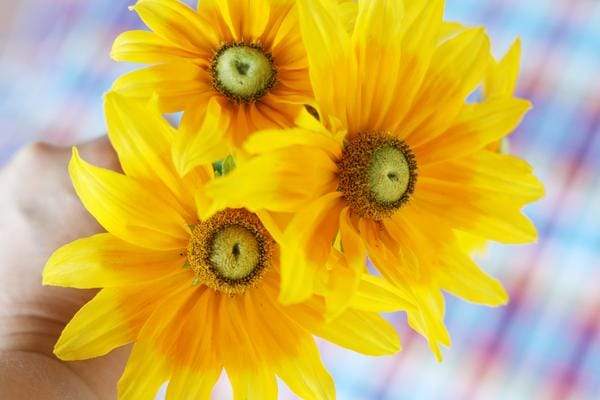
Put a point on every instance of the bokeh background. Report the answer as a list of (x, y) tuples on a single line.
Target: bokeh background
[(54, 67)]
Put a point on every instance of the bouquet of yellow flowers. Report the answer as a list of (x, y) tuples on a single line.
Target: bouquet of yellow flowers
[(334, 160)]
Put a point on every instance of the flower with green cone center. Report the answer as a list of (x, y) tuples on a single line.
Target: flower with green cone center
[(388, 174), (243, 72), (377, 174), (235, 252), (230, 251)]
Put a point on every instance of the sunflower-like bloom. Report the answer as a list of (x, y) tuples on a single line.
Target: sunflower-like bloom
[(398, 164), (196, 293), (233, 66)]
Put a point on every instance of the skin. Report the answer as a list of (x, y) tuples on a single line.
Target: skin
[(39, 212)]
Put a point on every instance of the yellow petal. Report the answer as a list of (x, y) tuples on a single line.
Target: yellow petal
[(196, 180), (276, 139), (344, 276), (307, 244), (460, 276), (274, 223), (471, 244), (202, 137), (297, 279), (307, 120), (353, 248), (305, 374), (283, 37), (253, 384), (477, 126), (476, 196), (502, 77), (427, 309), (377, 41), (489, 219), (197, 367), (488, 174), (383, 250), (375, 294), (145, 372), (278, 110), (246, 19), (178, 85), (307, 314), (280, 181), (238, 347), (196, 332), (269, 113), (243, 324), (450, 29), (178, 23), (457, 66), (286, 346), (115, 199), (293, 87), (103, 260), (149, 48), (338, 286), (348, 10), (428, 320), (98, 327), (421, 29), (113, 318), (328, 47), (127, 134), (193, 384), (149, 365), (363, 332), (416, 245), (142, 138)]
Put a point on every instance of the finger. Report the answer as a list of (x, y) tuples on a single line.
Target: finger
[(100, 153)]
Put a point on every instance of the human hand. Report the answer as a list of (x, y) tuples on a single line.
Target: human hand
[(39, 212)]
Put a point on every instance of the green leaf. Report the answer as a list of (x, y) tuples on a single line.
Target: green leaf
[(225, 166), (228, 165)]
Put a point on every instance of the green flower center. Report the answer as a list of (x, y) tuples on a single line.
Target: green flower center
[(243, 72), (230, 251), (377, 174), (235, 252), (389, 174)]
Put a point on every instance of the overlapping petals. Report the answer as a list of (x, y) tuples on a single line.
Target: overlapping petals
[(180, 48), (411, 79), (183, 331)]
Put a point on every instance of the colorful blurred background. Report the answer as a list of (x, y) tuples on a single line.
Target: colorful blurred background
[(54, 67)]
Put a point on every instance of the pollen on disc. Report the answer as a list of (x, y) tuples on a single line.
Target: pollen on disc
[(389, 174), (235, 252), (377, 174), (231, 251), (243, 72)]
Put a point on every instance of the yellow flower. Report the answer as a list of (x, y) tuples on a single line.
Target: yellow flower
[(196, 293), (399, 165), (233, 66)]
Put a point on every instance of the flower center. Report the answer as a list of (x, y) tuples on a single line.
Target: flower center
[(235, 252), (388, 174), (377, 174), (230, 251), (243, 72)]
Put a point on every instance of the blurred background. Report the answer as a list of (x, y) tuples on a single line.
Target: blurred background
[(54, 67)]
